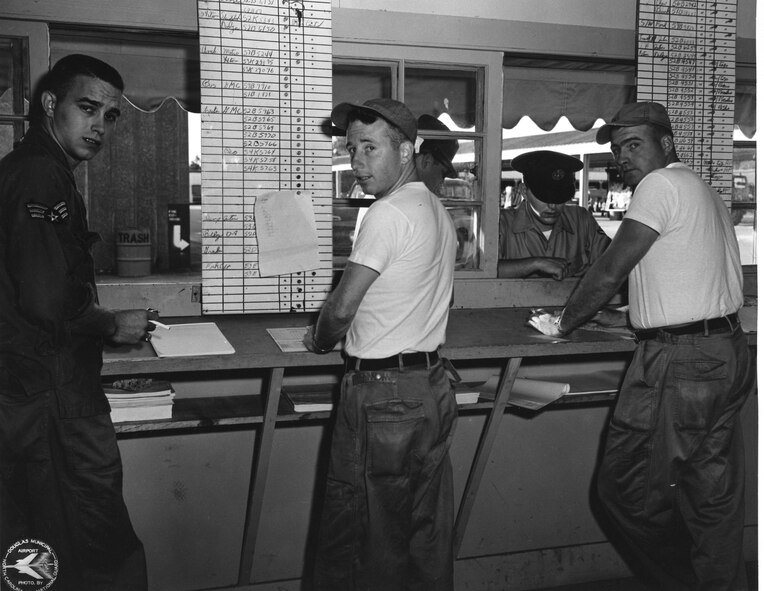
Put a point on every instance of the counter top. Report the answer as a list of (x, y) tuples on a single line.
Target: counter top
[(489, 333)]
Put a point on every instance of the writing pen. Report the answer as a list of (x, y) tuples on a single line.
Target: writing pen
[(159, 324)]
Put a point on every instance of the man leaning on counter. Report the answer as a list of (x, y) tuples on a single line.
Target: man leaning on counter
[(672, 476)]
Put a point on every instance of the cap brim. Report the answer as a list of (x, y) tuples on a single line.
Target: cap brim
[(603, 133), (450, 170), (340, 113)]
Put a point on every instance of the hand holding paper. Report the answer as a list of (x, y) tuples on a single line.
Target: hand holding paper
[(545, 323)]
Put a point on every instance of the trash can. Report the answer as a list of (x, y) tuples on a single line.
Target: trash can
[(133, 252)]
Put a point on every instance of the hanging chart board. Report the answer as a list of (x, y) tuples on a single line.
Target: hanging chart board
[(266, 88), (686, 61)]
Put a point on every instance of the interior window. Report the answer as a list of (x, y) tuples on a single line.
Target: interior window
[(744, 199), (14, 90), (450, 95)]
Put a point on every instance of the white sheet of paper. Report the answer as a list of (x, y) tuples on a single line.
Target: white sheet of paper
[(203, 338), (287, 240), (289, 339), (528, 393)]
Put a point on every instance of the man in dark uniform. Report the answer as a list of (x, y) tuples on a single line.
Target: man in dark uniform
[(544, 236), (433, 159), (60, 468)]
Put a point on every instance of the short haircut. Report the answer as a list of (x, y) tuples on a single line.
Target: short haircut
[(61, 76), (659, 131), (367, 117)]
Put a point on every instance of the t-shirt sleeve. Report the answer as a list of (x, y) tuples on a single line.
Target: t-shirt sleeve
[(381, 230), (653, 203)]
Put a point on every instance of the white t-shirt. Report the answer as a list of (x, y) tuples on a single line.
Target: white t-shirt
[(408, 237), (692, 271)]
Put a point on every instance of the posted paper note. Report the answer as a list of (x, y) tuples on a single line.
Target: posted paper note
[(286, 233)]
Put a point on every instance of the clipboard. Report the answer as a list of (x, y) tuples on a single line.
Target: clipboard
[(184, 340)]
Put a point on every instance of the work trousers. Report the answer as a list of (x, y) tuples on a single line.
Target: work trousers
[(672, 477), (61, 484), (387, 522)]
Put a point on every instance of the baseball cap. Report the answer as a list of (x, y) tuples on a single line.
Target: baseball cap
[(635, 114), (550, 175), (392, 111), (442, 150)]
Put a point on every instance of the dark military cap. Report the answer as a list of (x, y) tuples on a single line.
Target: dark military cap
[(550, 175), (442, 150)]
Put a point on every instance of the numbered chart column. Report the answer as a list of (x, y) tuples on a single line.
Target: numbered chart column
[(257, 136), (695, 39)]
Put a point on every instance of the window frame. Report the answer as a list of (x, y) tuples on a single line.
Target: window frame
[(489, 66), (37, 42)]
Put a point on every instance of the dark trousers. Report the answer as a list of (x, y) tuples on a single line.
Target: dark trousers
[(672, 477), (388, 516), (61, 483)]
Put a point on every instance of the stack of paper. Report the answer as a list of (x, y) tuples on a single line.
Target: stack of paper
[(531, 394), (140, 399)]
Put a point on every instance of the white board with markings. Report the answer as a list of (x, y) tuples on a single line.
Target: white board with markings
[(266, 88), (686, 60)]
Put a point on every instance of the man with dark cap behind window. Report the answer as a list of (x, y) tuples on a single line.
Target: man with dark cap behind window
[(433, 160), (545, 236)]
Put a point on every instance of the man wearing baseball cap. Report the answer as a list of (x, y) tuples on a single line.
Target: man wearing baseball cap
[(672, 475), (544, 236), (434, 158), (388, 511)]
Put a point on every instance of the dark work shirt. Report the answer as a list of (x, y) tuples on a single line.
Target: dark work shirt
[(576, 237), (50, 325)]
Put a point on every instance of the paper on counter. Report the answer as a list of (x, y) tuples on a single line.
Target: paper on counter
[(203, 338), (287, 240), (528, 393), (289, 339)]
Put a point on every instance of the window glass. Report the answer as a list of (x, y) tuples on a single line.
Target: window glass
[(353, 83), (744, 199), (14, 90), (449, 95), (437, 92)]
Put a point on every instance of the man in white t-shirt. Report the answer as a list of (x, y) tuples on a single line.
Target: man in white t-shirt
[(672, 475), (387, 518)]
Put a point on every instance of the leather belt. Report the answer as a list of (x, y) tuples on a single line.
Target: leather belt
[(728, 323), (399, 361)]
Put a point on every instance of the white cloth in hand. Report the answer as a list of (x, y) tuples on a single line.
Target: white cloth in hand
[(546, 324)]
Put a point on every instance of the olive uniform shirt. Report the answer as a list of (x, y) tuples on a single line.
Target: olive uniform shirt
[(576, 237)]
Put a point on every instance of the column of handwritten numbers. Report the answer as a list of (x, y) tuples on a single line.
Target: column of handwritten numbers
[(261, 147), (686, 97), (212, 158), (722, 84), (703, 126), (652, 53), (233, 214), (316, 158)]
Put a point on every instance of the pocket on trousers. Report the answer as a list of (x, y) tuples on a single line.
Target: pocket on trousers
[(700, 388), (392, 427), (625, 467)]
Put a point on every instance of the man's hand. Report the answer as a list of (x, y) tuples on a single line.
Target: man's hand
[(309, 340), (545, 322), (554, 267), (611, 317), (133, 326)]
